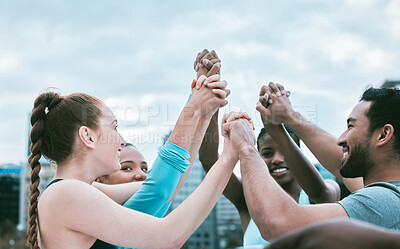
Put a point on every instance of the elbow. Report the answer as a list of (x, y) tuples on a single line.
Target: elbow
[(329, 194), (274, 228), (174, 242)]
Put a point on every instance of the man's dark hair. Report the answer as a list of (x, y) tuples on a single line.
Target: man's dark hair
[(264, 133), (384, 109)]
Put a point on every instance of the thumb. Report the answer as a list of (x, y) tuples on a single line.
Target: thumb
[(225, 130), (262, 110), (193, 84)]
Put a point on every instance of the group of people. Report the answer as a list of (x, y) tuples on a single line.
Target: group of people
[(103, 195)]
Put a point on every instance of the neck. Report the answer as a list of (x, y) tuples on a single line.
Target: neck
[(386, 171), (76, 169)]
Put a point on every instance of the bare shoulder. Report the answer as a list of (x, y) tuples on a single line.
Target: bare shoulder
[(68, 198), (72, 205), (67, 190)]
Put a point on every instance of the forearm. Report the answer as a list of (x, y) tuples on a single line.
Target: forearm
[(324, 147), (208, 153), (182, 134), (305, 172), (193, 151), (263, 194), (162, 180), (186, 218), (120, 193)]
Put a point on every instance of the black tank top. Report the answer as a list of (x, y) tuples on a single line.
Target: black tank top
[(98, 244)]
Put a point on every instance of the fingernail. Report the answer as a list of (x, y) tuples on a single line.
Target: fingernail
[(205, 83), (205, 61), (278, 94), (270, 101)]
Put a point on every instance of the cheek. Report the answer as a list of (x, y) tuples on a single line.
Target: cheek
[(122, 177)]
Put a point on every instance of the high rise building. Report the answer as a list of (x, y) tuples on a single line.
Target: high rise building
[(9, 192)]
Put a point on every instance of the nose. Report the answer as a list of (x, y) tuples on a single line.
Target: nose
[(342, 139), (140, 176), (123, 142), (278, 158)]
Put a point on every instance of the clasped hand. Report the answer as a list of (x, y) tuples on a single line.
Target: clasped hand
[(209, 94), (237, 129), (274, 104)]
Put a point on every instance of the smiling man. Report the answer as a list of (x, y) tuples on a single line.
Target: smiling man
[(370, 149)]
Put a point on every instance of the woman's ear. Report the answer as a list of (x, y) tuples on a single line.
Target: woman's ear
[(385, 134), (87, 136)]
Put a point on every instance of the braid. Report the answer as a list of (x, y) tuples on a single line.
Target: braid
[(45, 100)]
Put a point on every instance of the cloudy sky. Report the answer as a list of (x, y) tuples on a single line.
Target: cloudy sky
[(137, 56)]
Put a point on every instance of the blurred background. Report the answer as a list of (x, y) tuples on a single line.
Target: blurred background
[(137, 56)]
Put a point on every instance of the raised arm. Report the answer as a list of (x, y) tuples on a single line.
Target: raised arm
[(271, 208), (219, 92), (322, 144), (208, 154), (208, 71), (207, 63), (306, 174)]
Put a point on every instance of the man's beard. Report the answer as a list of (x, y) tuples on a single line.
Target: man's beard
[(358, 162)]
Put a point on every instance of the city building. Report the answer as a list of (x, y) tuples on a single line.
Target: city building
[(9, 192)]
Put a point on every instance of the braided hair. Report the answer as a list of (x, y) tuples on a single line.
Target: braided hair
[(55, 123)]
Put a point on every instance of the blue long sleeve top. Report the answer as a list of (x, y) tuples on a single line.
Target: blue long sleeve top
[(161, 182)]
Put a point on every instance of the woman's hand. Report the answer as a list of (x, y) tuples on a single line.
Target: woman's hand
[(209, 95), (237, 128)]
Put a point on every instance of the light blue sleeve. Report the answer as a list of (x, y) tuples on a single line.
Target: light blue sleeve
[(161, 182), (163, 210)]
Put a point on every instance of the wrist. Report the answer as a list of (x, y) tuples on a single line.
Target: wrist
[(191, 112), (270, 128), (246, 150), (228, 157), (294, 119)]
